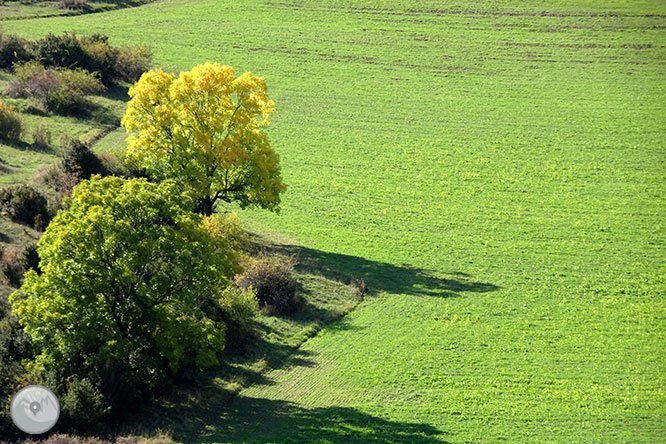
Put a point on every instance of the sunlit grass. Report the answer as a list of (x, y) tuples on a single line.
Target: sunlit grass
[(495, 171)]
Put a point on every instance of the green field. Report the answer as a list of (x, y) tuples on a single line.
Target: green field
[(496, 171)]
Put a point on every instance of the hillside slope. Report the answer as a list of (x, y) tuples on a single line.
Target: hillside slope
[(495, 171)]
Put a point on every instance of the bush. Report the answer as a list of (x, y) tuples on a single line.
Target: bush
[(273, 280), (41, 138), (11, 268), (239, 308), (23, 204), (69, 97), (230, 228), (13, 273), (33, 81), (132, 61), (74, 4), (83, 405), (13, 50), (102, 58), (63, 51), (62, 91), (30, 259), (88, 53), (10, 123), (78, 159), (53, 176), (93, 54), (62, 102), (15, 346)]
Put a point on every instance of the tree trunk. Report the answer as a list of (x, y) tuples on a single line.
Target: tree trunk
[(205, 206)]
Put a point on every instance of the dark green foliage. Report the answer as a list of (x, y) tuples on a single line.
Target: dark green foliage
[(83, 406), (94, 54), (24, 204), (78, 159), (30, 259), (128, 277), (15, 346), (13, 273), (273, 280), (63, 51), (101, 57), (14, 49), (75, 4)]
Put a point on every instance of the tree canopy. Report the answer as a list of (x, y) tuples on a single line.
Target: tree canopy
[(129, 283), (204, 130)]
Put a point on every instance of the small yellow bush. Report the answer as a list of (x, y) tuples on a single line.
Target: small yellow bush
[(229, 227), (10, 123)]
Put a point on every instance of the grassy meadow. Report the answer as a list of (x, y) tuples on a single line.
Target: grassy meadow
[(495, 171)]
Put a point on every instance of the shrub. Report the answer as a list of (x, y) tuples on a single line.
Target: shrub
[(11, 268), (93, 54), (239, 308), (13, 273), (360, 286), (34, 81), (15, 346), (69, 96), (62, 91), (62, 51), (62, 102), (78, 159), (30, 259), (10, 123), (229, 227), (80, 80), (273, 280), (83, 405), (53, 176), (132, 61), (14, 263), (102, 58), (13, 50), (41, 138), (74, 4), (23, 204)]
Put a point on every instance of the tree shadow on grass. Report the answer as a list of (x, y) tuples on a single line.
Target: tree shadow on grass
[(257, 420), (379, 276), (217, 414), (17, 144)]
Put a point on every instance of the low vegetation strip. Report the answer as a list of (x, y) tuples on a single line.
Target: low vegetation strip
[(26, 9)]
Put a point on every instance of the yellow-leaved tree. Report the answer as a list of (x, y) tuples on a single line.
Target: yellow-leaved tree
[(204, 130)]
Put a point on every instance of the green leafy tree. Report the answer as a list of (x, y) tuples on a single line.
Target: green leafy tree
[(204, 130), (129, 286)]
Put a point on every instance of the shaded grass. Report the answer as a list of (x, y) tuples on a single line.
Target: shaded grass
[(273, 345)]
